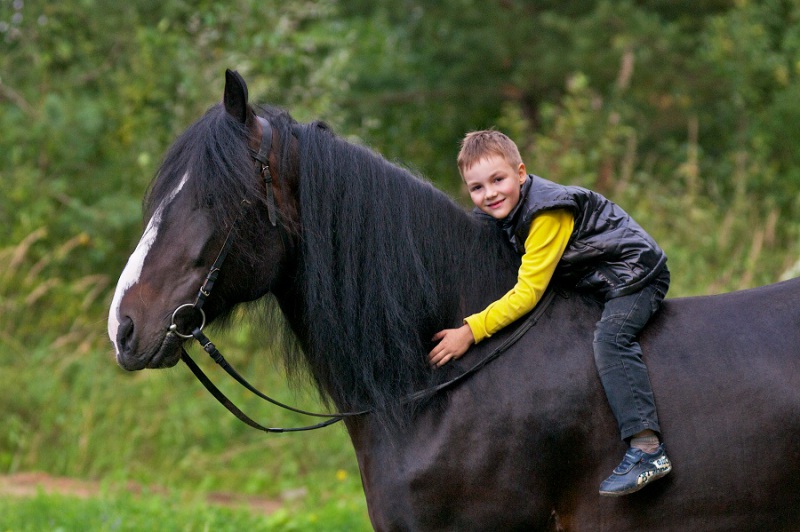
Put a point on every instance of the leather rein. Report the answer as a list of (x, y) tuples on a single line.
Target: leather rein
[(263, 170)]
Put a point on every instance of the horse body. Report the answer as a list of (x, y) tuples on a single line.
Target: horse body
[(538, 416), (368, 262), (502, 440)]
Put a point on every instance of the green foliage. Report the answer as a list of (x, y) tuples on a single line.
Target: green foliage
[(684, 112), (592, 142), (683, 106), (91, 95)]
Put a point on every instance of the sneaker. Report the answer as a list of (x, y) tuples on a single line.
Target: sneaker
[(637, 470)]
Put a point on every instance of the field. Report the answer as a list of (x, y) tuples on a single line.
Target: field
[(87, 446), (158, 511), (66, 505)]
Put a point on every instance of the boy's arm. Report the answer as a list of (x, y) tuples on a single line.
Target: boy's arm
[(544, 246), (546, 241)]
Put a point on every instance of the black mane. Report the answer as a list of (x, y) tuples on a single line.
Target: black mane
[(385, 261)]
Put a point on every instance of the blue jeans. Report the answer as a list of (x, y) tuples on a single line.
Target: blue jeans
[(618, 356)]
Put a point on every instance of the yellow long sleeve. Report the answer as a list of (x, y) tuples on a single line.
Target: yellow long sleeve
[(544, 246)]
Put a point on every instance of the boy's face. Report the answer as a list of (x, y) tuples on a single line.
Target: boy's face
[(494, 185)]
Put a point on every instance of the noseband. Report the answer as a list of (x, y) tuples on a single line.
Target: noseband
[(263, 171)]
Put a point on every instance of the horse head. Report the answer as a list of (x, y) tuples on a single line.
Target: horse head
[(219, 213)]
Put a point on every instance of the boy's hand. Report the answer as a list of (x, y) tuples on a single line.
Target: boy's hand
[(452, 344)]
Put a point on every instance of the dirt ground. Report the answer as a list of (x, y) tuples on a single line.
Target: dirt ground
[(30, 484)]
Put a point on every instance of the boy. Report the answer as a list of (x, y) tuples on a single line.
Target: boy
[(590, 243)]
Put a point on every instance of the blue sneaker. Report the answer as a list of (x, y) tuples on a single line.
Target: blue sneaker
[(637, 470)]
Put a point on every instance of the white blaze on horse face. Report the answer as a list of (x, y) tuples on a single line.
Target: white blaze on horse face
[(133, 269)]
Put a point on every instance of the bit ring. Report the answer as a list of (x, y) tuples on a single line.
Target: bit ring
[(173, 328)]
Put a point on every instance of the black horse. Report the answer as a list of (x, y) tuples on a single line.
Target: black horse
[(366, 261)]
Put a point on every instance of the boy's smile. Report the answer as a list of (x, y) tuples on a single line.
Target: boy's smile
[(494, 185)]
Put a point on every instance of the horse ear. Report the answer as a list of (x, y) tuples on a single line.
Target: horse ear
[(235, 98)]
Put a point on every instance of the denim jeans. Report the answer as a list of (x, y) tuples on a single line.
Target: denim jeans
[(619, 357)]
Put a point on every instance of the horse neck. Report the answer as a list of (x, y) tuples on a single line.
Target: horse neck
[(387, 260)]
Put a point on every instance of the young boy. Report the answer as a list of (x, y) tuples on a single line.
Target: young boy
[(588, 242)]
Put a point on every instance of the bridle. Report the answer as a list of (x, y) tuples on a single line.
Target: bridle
[(261, 157)]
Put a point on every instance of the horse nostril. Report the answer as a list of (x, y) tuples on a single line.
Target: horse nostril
[(125, 335)]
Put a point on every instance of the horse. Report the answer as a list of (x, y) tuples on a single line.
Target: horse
[(359, 262)]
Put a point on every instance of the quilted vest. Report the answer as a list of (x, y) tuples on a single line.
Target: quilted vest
[(608, 253)]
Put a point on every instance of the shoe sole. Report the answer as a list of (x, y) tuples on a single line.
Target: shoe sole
[(657, 475)]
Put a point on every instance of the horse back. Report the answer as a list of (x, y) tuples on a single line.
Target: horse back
[(526, 441), (741, 346), (725, 371)]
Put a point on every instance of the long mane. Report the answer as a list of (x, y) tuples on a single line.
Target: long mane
[(387, 260)]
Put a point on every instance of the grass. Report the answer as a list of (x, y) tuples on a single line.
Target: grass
[(148, 512), (75, 414), (62, 513)]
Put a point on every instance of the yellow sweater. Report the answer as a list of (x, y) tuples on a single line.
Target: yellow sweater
[(546, 241)]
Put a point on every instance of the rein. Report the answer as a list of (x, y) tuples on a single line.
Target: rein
[(262, 157)]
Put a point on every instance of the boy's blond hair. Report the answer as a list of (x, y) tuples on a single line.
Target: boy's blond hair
[(481, 144)]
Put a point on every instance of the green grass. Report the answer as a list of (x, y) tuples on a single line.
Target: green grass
[(159, 512), (54, 512), (70, 411)]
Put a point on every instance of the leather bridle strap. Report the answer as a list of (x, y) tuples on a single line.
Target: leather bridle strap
[(213, 273), (262, 157), (233, 409), (214, 353), (206, 287)]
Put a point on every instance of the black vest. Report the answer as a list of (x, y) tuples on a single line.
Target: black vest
[(608, 253)]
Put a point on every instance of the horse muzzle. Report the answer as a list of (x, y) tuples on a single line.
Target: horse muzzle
[(131, 355)]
